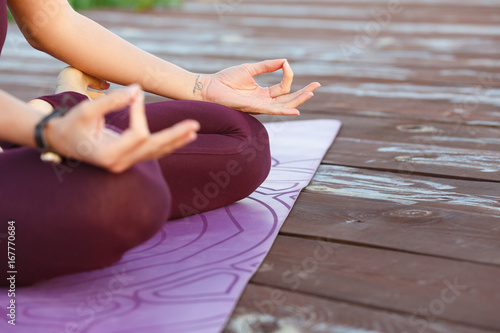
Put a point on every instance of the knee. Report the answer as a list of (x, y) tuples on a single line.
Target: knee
[(98, 217), (255, 156), (117, 213), (141, 207)]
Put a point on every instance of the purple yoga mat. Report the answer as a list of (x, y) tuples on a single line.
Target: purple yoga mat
[(188, 277)]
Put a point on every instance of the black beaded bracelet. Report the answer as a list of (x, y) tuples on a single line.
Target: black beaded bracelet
[(47, 155)]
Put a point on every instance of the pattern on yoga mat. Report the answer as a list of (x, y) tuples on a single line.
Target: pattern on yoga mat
[(189, 276)]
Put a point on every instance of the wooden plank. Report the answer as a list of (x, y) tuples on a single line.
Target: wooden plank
[(468, 3), (422, 147), (440, 217), (416, 158), (406, 11), (363, 101), (425, 133), (264, 309), (407, 190), (420, 229), (435, 288), (418, 146), (311, 24)]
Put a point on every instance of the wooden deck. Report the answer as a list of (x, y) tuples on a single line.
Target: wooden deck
[(400, 229)]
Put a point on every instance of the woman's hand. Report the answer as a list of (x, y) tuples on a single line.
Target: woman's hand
[(81, 133), (235, 87)]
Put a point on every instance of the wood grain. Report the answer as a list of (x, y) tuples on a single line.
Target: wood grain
[(395, 281), (407, 190), (414, 146), (407, 197), (421, 229), (265, 309)]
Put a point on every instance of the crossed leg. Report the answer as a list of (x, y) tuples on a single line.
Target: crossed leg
[(90, 218)]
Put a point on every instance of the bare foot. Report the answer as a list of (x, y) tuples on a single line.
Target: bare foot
[(72, 79)]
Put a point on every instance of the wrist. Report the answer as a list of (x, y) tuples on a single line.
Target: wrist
[(35, 119), (43, 140), (49, 131), (200, 87)]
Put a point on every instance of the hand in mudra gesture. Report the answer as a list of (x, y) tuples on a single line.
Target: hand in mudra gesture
[(236, 88), (82, 135)]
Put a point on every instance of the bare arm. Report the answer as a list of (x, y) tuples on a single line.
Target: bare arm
[(84, 125), (54, 27), (17, 121)]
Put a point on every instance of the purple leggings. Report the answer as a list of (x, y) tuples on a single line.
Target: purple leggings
[(76, 217)]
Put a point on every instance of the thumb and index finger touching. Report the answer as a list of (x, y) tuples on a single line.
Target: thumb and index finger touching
[(284, 87), (113, 101), (138, 132)]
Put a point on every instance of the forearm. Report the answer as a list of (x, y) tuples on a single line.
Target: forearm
[(84, 44), (17, 121), (102, 54)]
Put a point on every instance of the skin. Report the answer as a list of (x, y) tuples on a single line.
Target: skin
[(72, 79), (52, 26)]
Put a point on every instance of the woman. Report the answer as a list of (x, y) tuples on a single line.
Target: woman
[(128, 167)]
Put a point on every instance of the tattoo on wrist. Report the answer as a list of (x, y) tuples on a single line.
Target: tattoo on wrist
[(198, 85)]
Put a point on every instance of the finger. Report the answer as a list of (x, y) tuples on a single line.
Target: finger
[(285, 86), (276, 109), (290, 97), (287, 104), (138, 121), (138, 131), (173, 138), (109, 103), (312, 86), (275, 106), (161, 143), (299, 100), (267, 66)]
